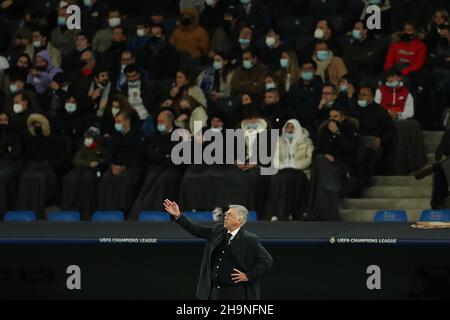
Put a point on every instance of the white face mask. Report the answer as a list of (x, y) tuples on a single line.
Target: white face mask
[(18, 108), (115, 111), (88, 142), (270, 42), (114, 22), (70, 107), (140, 32), (319, 34)]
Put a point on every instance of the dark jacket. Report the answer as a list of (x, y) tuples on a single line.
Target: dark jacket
[(444, 146), (364, 57), (159, 149), (342, 146), (161, 59), (84, 156), (303, 99), (376, 122), (252, 258), (258, 17), (128, 149), (10, 146)]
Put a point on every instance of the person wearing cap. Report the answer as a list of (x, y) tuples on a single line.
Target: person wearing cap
[(333, 165), (80, 184)]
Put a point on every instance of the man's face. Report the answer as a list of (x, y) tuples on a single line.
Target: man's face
[(117, 35), (23, 62), (156, 32), (308, 67), (336, 116), (133, 76), (322, 24), (231, 220), (103, 78), (271, 98), (41, 62), (328, 95), (126, 59), (81, 42), (36, 36), (88, 58), (120, 119), (18, 100), (248, 57), (409, 29), (366, 94), (164, 119), (246, 99), (216, 123), (246, 33)]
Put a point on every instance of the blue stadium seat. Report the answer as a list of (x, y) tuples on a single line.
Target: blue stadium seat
[(20, 216), (108, 216), (391, 216), (64, 216), (147, 216), (252, 216), (435, 215), (200, 215)]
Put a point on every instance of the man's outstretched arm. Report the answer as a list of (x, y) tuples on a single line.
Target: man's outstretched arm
[(190, 226)]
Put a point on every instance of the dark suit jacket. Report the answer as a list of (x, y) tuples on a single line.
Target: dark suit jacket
[(251, 257)]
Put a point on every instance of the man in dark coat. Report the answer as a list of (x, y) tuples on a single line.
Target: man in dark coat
[(234, 259), (333, 165)]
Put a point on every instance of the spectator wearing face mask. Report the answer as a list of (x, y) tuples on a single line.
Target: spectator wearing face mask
[(40, 42), (363, 54), (119, 184), (245, 42), (216, 80), (17, 82), (329, 97), (329, 67), (79, 189), (10, 152), (119, 103), (274, 110), (141, 38), (249, 78), (81, 80), (304, 96), (395, 98), (185, 85), (288, 193), (42, 75), (439, 21), (289, 71), (189, 37), (163, 177), (119, 43), (61, 37), (274, 47), (159, 57), (119, 77), (103, 38), (22, 109)]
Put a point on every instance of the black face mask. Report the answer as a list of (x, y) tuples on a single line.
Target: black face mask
[(185, 21), (185, 111), (41, 68), (38, 131), (406, 37), (156, 39), (3, 127)]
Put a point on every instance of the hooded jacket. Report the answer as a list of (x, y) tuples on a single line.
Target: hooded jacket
[(192, 39), (296, 153), (42, 81)]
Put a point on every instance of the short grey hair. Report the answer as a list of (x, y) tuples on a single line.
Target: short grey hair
[(242, 211)]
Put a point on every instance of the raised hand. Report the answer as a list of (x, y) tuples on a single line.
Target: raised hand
[(172, 208)]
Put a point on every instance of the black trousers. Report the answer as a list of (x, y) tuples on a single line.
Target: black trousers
[(440, 187), (224, 292)]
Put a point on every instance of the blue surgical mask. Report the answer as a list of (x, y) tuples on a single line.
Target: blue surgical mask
[(253, 126), (217, 130), (307, 75), (87, 3), (322, 55), (375, 2), (284, 63), (245, 1), (393, 84), (343, 88), (247, 64), (362, 103), (289, 135), (70, 107), (217, 65), (118, 127), (61, 21), (134, 84), (13, 88), (162, 128), (243, 41), (356, 34)]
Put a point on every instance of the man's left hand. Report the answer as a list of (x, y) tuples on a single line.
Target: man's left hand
[(239, 276)]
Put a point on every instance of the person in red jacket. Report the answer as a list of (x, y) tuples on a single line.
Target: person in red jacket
[(395, 97), (409, 54)]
